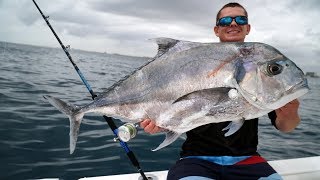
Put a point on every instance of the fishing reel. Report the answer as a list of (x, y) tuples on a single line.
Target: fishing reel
[(126, 132)]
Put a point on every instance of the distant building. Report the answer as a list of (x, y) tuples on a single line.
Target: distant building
[(312, 74)]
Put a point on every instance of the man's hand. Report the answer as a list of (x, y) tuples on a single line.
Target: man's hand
[(150, 126), (288, 117)]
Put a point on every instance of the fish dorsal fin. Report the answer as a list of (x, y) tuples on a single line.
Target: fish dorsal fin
[(164, 44)]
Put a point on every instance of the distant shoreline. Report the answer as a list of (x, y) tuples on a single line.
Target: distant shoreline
[(72, 49)]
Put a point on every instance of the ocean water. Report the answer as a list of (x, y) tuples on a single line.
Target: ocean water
[(34, 136)]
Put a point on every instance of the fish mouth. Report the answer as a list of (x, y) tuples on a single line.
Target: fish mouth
[(293, 93), (299, 86)]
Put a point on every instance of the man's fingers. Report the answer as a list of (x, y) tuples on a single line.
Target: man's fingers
[(150, 126), (144, 123)]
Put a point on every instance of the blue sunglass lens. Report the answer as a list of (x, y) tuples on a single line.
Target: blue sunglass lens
[(226, 21), (241, 20)]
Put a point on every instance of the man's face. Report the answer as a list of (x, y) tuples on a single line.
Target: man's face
[(233, 32)]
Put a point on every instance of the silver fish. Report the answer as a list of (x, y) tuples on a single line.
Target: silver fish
[(189, 84)]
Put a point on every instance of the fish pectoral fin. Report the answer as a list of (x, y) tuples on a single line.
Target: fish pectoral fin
[(212, 94), (170, 138), (233, 127)]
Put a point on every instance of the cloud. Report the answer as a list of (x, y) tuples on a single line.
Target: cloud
[(304, 6), (124, 26), (159, 11)]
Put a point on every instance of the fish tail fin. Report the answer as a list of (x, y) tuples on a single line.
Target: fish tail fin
[(75, 117)]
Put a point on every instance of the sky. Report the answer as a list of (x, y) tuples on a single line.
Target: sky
[(126, 26)]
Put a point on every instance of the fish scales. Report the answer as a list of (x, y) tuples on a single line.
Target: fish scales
[(189, 84)]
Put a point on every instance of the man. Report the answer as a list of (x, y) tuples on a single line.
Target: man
[(207, 153)]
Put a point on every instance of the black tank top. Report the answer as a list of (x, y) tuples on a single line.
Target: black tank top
[(209, 140)]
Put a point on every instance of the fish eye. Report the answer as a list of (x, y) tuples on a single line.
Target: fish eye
[(274, 69)]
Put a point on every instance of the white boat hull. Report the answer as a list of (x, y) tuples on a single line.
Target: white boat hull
[(290, 169)]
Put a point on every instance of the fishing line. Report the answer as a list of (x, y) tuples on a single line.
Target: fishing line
[(109, 120)]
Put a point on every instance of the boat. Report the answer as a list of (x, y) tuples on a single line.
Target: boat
[(307, 168), (312, 74)]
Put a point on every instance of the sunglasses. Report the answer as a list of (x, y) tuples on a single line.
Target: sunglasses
[(226, 21)]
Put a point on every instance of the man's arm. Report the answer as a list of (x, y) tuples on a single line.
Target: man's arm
[(287, 116)]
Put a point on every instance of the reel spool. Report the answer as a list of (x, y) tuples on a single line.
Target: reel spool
[(127, 132)]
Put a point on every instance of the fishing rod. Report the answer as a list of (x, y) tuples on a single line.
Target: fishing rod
[(117, 131)]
